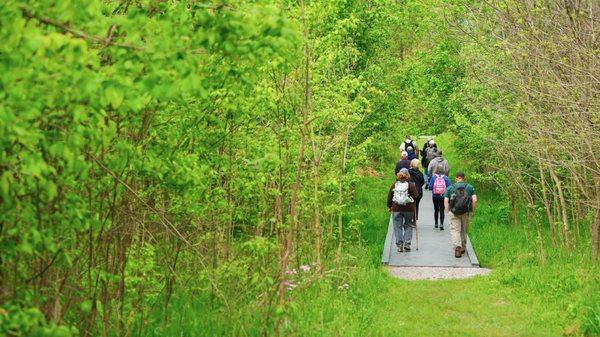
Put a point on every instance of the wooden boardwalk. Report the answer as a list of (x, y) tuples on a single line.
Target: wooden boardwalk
[(435, 249)]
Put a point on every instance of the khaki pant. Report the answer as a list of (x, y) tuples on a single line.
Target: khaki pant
[(459, 224)]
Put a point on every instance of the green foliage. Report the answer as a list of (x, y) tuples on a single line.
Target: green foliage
[(166, 164), (30, 322)]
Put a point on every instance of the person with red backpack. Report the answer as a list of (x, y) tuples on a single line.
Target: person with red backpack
[(438, 184)]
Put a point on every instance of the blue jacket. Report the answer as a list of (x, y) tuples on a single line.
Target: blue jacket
[(432, 181)]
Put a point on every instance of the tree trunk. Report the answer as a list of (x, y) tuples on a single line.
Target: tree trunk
[(547, 206), (563, 206)]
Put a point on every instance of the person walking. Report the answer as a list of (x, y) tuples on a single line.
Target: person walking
[(409, 142), (438, 184), (425, 147), (427, 154), (402, 163), (461, 201), (416, 177), (401, 203), (438, 162)]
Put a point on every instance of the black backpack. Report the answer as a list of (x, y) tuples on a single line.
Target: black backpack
[(460, 200)]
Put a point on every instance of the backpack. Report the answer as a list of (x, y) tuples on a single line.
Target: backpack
[(460, 200), (439, 185), (401, 196), (406, 145), (431, 151)]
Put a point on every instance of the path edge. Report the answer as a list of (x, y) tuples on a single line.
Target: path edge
[(471, 253), (385, 256)]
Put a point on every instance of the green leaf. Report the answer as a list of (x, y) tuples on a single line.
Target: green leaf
[(5, 183), (114, 97)]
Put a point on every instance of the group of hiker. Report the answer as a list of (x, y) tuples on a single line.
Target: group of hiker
[(404, 196)]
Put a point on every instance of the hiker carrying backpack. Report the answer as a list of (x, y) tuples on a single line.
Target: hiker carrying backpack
[(400, 203), (409, 143), (401, 196), (438, 184), (462, 201)]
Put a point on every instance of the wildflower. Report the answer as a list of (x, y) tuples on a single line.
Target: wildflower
[(291, 272), (305, 268), (290, 285)]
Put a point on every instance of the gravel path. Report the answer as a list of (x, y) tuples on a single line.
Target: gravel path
[(436, 273)]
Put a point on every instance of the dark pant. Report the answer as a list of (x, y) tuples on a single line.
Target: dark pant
[(438, 210)]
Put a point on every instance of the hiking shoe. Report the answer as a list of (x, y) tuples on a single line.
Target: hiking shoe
[(457, 252), (407, 247), (400, 250), (436, 226), (441, 228), (462, 250)]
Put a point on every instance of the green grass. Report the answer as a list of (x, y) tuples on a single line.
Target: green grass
[(523, 296)]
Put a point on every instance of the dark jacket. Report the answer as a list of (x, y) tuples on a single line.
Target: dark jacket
[(424, 161), (412, 191), (412, 155), (404, 163), (417, 177)]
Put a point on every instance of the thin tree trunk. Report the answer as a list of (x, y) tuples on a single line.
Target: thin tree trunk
[(563, 206), (595, 227), (341, 192), (287, 249), (547, 206)]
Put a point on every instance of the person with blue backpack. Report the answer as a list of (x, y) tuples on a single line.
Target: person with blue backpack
[(438, 184)]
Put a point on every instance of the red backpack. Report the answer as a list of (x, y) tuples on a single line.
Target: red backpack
[(439, 185)]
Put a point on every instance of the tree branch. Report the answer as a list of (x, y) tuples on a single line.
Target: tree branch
[(80, 34)]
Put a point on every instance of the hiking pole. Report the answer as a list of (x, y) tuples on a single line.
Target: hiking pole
[(416, 229)]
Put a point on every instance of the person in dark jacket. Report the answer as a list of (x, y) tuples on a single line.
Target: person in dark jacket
[(402, 215), (428, 147), (402, 163), (416, 177)]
